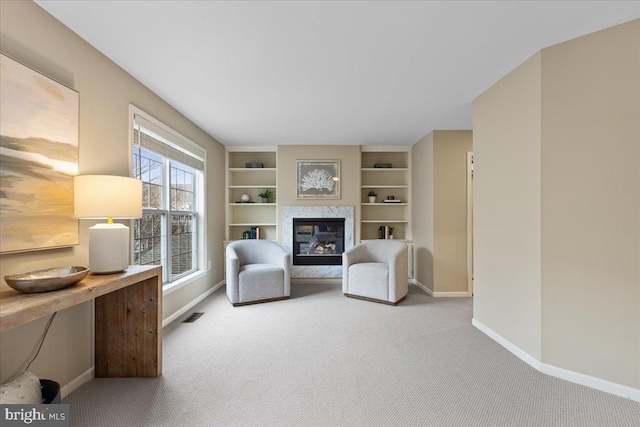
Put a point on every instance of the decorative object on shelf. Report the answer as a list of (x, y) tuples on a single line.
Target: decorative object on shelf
[(252, 233), (372, 196), (39, 125), (266, 195), (318, 179), (254, 165), (391, 199), (382, 166), (107, 196), (245, 198), (47, 280), (385, 232)]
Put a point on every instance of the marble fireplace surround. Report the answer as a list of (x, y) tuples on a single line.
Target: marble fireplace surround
[(316, 271)]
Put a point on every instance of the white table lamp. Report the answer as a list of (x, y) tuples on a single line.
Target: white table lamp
[(107, 196)]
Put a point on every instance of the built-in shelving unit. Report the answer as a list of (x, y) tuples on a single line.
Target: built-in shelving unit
[(385, 182), (394, 181), (251, 181)]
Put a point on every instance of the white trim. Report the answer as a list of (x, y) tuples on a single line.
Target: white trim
[(190, 305), (75, 383), (593, 382), (469, 211), (167, 134), (181, 283), (421, 286), (574, 377), (523, 355), (243, 148), (463, 294), (382, 148), (439, 294)]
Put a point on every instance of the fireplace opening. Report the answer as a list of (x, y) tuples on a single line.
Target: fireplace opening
[(318, 241)]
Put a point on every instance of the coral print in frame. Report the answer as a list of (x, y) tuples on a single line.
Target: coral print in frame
[(318, 179), (39, 157)]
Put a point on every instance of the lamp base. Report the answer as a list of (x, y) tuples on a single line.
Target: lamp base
[(108, 248)]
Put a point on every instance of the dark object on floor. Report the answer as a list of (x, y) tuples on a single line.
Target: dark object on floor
[(50, 392), (192, 318)]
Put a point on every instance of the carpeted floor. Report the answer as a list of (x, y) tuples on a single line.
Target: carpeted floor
[(321, 359)]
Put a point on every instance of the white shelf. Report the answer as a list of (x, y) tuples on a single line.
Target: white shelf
[(252, 186), (385, 169), (252, 204), (254, 224), (226, 242), (384, 186), (399, 240), (252, 169), (383, 221), (384, 204)]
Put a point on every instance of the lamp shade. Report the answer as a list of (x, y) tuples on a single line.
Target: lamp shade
[(107, 196)]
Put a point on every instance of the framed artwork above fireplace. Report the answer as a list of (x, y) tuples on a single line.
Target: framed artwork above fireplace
[(318, 179)]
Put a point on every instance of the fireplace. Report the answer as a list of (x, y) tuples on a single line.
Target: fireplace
[(318, 241)]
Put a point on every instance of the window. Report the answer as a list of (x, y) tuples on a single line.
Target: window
[(171, 230)]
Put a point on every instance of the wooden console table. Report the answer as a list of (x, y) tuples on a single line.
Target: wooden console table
[(128, 317)]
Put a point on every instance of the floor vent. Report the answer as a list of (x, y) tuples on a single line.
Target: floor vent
[(192, 318)]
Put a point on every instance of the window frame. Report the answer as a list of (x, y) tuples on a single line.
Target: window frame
[(173, 139)]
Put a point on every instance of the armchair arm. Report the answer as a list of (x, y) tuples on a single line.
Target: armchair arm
[(232, 276), (399, 273), (351, 256), (281, 258)]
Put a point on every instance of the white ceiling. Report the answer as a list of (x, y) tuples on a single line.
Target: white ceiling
[(265, 73)]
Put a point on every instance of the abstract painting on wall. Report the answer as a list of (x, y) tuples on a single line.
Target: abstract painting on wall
[(38, 160)]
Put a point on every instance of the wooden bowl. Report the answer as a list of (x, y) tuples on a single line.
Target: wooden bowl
[(47, 280)]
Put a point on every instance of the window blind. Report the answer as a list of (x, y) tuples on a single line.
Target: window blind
[(151, 137)]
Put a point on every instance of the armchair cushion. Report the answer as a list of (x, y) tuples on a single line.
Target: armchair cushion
[(370, 279), (269, 277)]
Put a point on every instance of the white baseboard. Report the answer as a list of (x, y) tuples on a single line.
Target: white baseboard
[(439, 294), (574, 377), (526, 357), (463, 294), (593, 382), (75, 383), (421, 286), (189, 306)]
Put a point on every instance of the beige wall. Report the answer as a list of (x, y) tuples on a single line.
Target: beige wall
[(450, 149), (557, 206), (349, 156), (439, 209), (422, 209), (32, 36), (591, 205), (506, 154)]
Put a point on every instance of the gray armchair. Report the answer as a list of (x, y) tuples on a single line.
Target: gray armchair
[(257, 271), (376, 270)]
